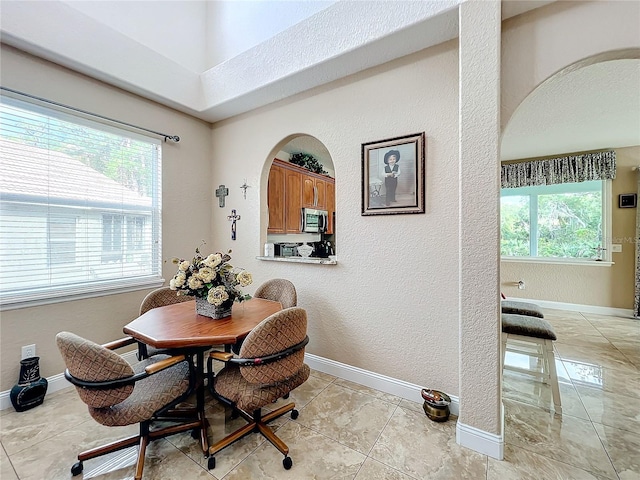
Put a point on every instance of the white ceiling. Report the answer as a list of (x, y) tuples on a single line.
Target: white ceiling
[(594, 107)]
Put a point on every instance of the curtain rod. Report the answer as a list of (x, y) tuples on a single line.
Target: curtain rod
[(173, 138)]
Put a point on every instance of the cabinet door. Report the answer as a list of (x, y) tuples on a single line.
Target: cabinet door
[(308, 191), (293, 201), (276, 199), (321, 194), (331, 204)]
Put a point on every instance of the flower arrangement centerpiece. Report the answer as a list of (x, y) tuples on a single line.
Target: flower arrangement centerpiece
[(213, 281)]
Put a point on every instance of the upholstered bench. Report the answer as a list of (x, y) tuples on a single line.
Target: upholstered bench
[(526, 329), (521, 308)]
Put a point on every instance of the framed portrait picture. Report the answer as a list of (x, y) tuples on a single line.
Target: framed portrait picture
[(393, 175)]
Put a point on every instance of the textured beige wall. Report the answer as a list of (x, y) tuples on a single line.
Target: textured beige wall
[(389, 306), (594, 284), (186, 211)]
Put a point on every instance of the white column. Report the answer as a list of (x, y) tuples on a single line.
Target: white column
[(480, 424)]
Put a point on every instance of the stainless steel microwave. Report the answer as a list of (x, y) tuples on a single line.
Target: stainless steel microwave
[(314, 221)]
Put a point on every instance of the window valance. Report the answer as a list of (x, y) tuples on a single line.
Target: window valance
[(552, 171)]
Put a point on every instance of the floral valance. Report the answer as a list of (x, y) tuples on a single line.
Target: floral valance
[(551, 171)]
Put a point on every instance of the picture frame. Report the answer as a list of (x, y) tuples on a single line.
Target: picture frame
[(395, 189), (627, 200)]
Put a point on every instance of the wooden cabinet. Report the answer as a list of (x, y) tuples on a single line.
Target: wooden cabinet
[(276, 199), (293, 201), (314, 192), (292, 188), (331, 205)]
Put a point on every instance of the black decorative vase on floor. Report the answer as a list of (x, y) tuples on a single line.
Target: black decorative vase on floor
[(31, 389)]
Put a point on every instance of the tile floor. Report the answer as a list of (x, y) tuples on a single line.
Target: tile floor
[(346, 431)]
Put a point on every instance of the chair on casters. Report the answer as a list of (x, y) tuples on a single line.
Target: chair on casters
[(120, 394), (278, 290), (270, 365), (526, 329), (159, 297)]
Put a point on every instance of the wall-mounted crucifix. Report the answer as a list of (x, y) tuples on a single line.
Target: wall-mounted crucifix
[(221, 192), (244, 187), (233, 218)]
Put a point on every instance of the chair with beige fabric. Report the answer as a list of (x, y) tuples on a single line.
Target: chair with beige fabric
[(270, 365), (159, 297), (119, 394), (279, 290)]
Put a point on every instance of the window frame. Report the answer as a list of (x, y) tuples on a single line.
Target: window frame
[(565, 188), (77, 290)]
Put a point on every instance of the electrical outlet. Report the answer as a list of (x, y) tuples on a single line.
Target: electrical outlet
[(616, 247), (28, 351), (521, 285)]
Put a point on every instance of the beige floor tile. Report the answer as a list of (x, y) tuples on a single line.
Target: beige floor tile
[(630, 349), (623, 448), (354, 419), (387, 397), (325, 376), (525, 389), (60, 411), (609, 357), (421, 448), (374, 470), (520, 464), (622, 382), (6, 468), (611, 409), (559, 437), (314, 456)]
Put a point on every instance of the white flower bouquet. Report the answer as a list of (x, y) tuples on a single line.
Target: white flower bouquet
[(211, 277)]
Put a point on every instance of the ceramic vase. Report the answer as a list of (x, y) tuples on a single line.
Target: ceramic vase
[(30, 390)]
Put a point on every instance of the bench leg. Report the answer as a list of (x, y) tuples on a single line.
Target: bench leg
[(550, 359)]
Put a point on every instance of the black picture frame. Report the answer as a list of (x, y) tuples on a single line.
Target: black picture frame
[(391, 191), (627, 200)]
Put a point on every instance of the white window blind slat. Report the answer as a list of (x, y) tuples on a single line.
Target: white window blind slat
[(80, 205)]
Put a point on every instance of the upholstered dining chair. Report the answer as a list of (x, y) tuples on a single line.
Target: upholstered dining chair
[(270, 365), (119, 394), (279, 290), (159, 297)]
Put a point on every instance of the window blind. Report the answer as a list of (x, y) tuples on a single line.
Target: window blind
[(80, 205)]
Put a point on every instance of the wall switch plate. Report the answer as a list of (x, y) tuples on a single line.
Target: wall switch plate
[(616, 247), (28, 351)]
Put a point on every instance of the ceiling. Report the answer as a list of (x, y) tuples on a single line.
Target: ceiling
[(592, 107)]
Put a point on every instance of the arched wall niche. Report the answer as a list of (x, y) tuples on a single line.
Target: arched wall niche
[(294, 143)]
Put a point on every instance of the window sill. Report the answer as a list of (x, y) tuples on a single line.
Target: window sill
[(312, 260), (558, 261), (70, 297)]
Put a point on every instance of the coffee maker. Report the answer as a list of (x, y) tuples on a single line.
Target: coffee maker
[(322, 249)]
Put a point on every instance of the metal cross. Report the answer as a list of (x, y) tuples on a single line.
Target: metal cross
[(244, 187), (233, 218), (222, 192)]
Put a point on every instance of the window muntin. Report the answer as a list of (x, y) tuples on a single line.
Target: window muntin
[(564, 221), (60, 177)]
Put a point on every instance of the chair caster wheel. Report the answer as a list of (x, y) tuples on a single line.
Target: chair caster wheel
[(77, 469), (287, 463), (294, 414), (211, 463)]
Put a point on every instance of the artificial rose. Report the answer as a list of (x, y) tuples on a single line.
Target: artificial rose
[(217, 296), (244, 278)]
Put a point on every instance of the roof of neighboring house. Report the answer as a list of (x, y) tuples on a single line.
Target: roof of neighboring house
[(36, 172)]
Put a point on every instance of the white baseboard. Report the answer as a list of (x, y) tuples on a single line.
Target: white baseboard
[(56, 383), (576, 307), (399, 388), (480, 441), (470, 437)]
